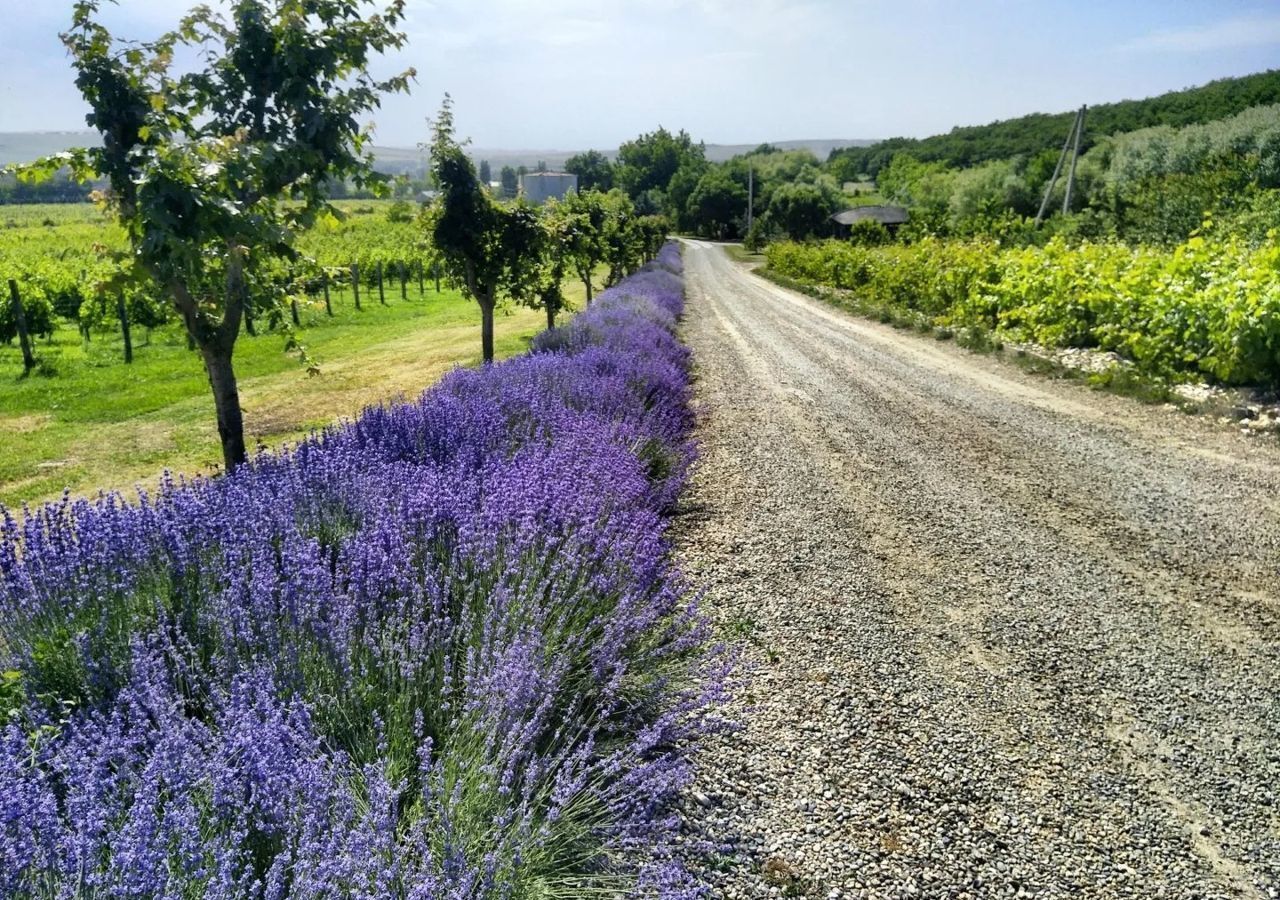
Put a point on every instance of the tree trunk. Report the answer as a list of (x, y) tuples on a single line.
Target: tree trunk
[(328, 307), (217, 341), (587, 281), (435, 270), (404, 280), (422, 288), (293, 312), (248, 323), (486, 329), (355, 283), (382, 297), (124, 328), (20, 321), (226, 399), (551, 315)]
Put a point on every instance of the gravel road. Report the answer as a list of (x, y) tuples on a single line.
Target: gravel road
[(1005, 636)]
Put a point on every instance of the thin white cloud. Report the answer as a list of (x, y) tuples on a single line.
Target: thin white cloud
[(1228, 34)]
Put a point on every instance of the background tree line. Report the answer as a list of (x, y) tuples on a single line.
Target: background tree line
[(1028, 135), (1152, 170)]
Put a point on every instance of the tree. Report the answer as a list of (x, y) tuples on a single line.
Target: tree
[(486, 175), (510, 182), (212, 172), (675, 201), (717, 205), (653, 231), (594, 171), (486, 248), (550, 242), (803, 209), (622, 239), (650, 161), (587, 214)]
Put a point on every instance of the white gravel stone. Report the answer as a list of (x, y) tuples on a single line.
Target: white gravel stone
[(1002, 636)]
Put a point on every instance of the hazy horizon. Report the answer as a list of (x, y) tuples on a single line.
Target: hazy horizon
[(573, 74)]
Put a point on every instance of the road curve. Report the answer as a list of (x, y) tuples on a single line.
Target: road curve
[(1005, 636)]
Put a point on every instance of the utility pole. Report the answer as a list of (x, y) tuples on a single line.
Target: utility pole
[(1057, 170), (751, 195), (1075, 156)]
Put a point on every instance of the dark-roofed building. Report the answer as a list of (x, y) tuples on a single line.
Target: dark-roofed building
[(891, 217)]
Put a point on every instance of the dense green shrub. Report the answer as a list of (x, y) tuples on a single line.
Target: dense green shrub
[(869, 233), (1208, 308)]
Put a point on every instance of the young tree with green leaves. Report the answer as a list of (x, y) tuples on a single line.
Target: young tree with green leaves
[(653, 231), (623, 242), (485, 247), (587, 215), (213, 171), (548, 236)]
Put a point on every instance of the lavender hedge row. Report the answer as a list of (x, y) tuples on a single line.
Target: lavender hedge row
[(436, 653)]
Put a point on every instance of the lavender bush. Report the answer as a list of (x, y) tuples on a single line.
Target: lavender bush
[(438, 652)]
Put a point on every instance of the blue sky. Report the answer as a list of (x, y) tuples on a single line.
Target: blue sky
[(570, 74)]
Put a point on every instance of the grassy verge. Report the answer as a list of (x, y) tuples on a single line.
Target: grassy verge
[(739, 253), (1126, 383), (86, 422)]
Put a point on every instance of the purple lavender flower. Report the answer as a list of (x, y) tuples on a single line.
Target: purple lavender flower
[(436, 652)]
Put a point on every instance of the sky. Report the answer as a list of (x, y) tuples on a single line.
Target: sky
[(577, 74)]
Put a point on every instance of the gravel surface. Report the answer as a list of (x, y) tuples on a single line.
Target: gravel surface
[(1005, 636)]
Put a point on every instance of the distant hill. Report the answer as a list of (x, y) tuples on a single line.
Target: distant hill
[(25, 146), (1031, 134), (819, 148), (400, 160)]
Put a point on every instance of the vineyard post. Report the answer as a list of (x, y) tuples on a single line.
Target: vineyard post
[(328, 307), (404, 280), (248, 322), (355, 282), (20, 320), (123, 314), (382, 298), (293, 310), (422, 288), (81, 323), (435, 270)]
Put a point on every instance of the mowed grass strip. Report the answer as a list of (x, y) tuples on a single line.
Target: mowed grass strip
[(87, 422)]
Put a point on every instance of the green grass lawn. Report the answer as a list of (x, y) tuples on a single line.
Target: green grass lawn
[(85, 421)]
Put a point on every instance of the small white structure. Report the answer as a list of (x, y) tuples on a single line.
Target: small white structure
[(539, 187)]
